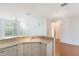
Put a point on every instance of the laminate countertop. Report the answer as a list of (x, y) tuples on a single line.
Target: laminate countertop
[(11, 41)]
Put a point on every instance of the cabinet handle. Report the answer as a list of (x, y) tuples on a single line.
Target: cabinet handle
[(2, 51)]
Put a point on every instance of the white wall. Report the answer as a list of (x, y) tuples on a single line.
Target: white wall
[(70, 30), (33, 26), (30, 25)]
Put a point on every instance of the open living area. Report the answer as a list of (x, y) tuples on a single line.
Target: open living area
[(39, 29)]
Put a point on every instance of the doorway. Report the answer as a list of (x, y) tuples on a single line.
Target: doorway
[(54, 31)]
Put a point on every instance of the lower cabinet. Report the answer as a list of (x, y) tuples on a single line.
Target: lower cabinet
[(34, 49), (20, 49), (43, 49), (25, 49), (11, 51)]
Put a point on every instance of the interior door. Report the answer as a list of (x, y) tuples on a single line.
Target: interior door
[(57, 38), (55, 33)]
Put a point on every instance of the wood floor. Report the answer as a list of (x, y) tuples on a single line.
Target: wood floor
[(69, 50)]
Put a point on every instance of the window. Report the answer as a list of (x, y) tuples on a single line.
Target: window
[(9, 28)]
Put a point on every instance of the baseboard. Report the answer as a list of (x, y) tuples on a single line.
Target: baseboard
[(69, 50)]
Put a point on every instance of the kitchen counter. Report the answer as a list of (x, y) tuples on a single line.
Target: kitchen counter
[(11, 41)]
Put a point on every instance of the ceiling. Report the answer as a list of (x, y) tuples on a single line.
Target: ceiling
[(39, 10)]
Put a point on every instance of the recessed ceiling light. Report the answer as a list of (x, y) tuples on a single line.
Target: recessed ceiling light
[(28, 14), (63, 4)]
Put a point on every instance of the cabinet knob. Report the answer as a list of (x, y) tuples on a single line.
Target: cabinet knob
[(2, 51)]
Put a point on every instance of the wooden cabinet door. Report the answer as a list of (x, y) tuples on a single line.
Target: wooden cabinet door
[(36, 49), (11, 51), (43, 49), (27, 49), (31, 49), (20, 49)]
